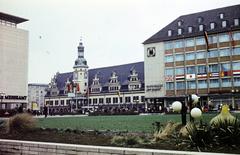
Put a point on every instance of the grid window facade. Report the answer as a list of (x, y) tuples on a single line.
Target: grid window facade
[(226, 82), (224, 52), (179, 71), (202, 84), (169, 71), (180, 85), (200, 41), (169, 58), (169, 85), (202, 69), (201, 55), (179, 57), (189, 42), (191, 84), (179, 44), (214, 68), (214, 83), (190, 56)]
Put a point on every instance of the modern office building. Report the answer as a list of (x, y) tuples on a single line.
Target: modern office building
[(13, 62), (197, 53), (120, 86), (36, 94)]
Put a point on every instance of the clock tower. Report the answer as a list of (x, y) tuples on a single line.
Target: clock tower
[(80, 73)]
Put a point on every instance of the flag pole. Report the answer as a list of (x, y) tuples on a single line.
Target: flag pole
[(206, 39)]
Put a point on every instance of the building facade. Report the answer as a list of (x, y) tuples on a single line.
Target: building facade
[(105, 88), (36, 94), (13, 62), (197, 53)]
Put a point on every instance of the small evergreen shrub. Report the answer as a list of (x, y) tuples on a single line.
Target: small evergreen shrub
[(21, 123)]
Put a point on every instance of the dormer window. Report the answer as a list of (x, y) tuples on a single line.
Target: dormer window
[(179, 31), (190, 29), (169, 33), (221, 15), (236, 22), (224, 24), (200, 19), (200, 27), (179, 23), (212, 26)]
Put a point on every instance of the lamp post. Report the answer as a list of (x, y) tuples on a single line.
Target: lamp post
[(194, 112)]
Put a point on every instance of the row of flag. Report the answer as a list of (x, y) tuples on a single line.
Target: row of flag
[(202, 76)]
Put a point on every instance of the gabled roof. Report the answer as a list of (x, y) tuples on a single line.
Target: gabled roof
[(230, 13), (122, 71)]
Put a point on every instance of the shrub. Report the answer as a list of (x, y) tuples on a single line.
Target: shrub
[(2, 126), (126, 140), (21, 123), (200, 136), (227, 132), (118, 140), (167, 131)]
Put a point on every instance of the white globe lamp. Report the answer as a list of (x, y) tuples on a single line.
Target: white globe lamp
[(196, 113), (177, 106), (195, 98)]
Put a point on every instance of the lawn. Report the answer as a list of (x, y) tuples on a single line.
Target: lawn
[(133, 123)]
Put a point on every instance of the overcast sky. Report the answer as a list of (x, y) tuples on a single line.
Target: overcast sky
[(112, 30)]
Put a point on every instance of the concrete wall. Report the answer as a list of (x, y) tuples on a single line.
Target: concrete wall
[(13, 61), (154, 70), (13, 147)]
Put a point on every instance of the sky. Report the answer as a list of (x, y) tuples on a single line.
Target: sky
[(112, 31)]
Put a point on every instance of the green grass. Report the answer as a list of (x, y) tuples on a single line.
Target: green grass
[(133, 123)]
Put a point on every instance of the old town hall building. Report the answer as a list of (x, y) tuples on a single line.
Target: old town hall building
[(84, 89)]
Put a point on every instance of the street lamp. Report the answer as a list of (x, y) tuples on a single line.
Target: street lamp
[(194, 113)]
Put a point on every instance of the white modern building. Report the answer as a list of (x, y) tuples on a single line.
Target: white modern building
[(198, 53), (36, 94), (13, 62)]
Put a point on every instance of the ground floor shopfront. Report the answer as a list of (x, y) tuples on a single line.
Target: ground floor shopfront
[(209, 101)]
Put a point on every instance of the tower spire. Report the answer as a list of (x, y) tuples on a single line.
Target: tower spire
[(80, 61)]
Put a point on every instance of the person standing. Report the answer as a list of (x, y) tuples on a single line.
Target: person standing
[(45, 111)]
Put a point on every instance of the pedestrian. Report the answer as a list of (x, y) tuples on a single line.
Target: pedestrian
[(45, 111)]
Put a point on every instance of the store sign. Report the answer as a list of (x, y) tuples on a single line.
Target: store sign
[(154, 87), (10, 97)]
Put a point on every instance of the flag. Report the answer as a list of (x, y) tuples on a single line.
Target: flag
[(225, 73), (216, 74), (78, 87), (179, 77), (168, 78), (231, 39), (68, 87), (206, 39), (202, 76), (190, 76), (236, 72)]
